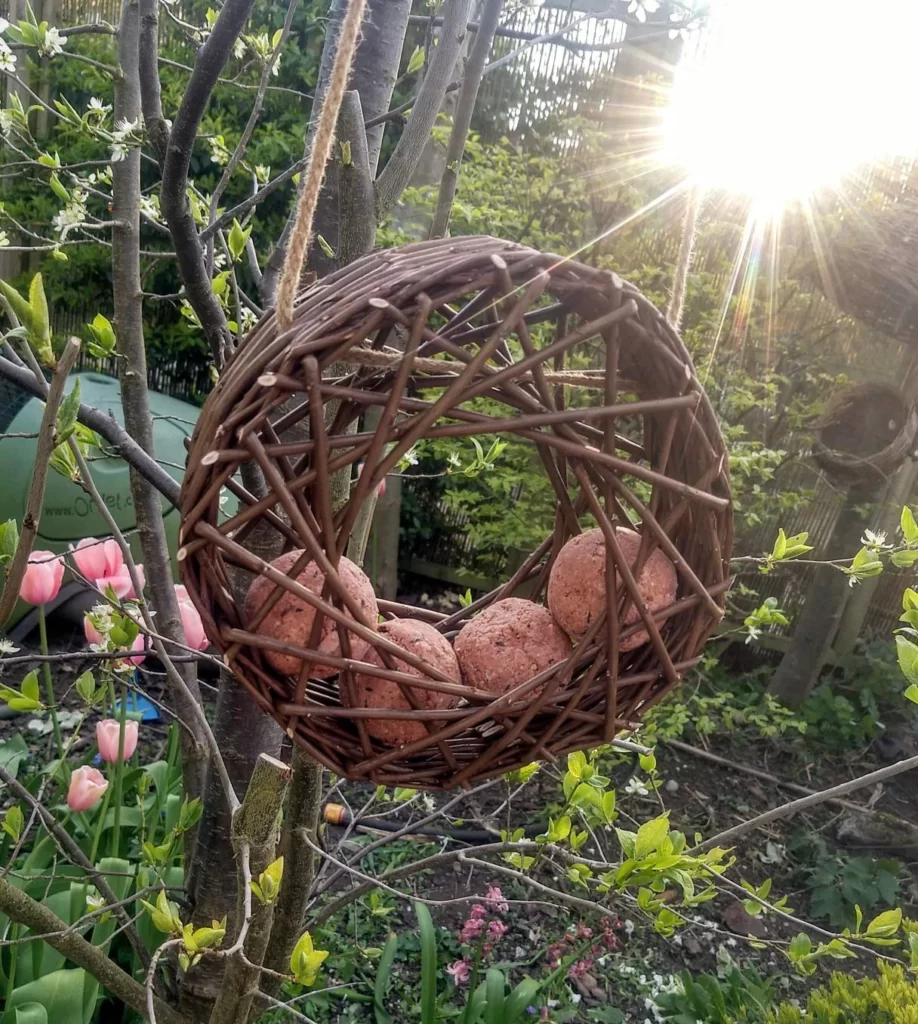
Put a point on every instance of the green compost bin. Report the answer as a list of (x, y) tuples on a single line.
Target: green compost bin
[(69, 514)]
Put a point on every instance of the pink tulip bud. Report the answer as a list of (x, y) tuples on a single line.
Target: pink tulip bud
[(87, 787), (42, 579), (93, 636), (107, 738), (97, 559), (195, 636), (381, 490), (181, 593)]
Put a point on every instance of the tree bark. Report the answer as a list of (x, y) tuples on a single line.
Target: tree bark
[(825, 601), (128, 304)]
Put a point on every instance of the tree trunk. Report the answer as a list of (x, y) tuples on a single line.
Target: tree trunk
[(825, 602)]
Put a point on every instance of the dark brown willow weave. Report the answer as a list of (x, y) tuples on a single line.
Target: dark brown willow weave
[(635, 440), (865, 434)]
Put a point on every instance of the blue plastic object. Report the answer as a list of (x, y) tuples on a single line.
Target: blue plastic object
[(139, 706)]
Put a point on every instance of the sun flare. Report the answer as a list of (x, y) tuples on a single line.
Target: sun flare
[(785, 97)]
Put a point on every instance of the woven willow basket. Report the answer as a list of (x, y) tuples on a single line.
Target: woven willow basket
[(865, 434), (572, 361)]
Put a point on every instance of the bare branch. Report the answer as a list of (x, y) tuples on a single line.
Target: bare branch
[(211, 60), (462, 118), (22, 908), (150, 92), (793, 806), (397, 173), (47, 442)]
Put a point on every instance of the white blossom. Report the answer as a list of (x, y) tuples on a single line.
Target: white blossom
[(4, 25), (641, 8), (72, 215), (6, 646), (635, 787), (53, 43), (7, 58)]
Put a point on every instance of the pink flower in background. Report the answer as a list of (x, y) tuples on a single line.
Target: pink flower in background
[(42, 579), (381, 490), (93, 636), (102, 563), (459, 972), (137, 645), (121, 583), (496, 930), (195, 636), (181, 593), (87, 787), (108, 736), (97, 559), (495, 900)]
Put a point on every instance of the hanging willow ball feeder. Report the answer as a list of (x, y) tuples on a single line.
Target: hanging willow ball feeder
[(865, 434), (454, 339)]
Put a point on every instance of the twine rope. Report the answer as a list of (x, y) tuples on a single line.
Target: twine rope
[(313, 176)]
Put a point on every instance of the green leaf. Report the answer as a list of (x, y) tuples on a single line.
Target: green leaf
[(428, 964), (495, 991), (67, 414), (383, 976), (907, 653), (325, 247), (237, 239), (191, 814), (885, 925), (30, 1013), (305, 960), (650, 835), (41, 321), (29, 687), (524, 995), (9, 539), (268, 884), (60, 993), (18, 304), (903, 559), (648, 762), (911, 693), (416, 61), (86, 686), (908, 525), (13, 821), (58, 189)]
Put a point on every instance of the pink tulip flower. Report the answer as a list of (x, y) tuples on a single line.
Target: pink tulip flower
[(97, 559), (195, 636), (181, 593), (42, 579), (87, 787), (121, 583), (107, 738)]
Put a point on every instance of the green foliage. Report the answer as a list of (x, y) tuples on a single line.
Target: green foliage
[(840, 885), (740, 997), (890, 998)]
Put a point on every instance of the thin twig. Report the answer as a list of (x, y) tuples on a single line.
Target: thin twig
[(47, 442), (785, 810)]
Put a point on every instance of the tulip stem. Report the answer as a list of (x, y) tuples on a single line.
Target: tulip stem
[(118, 771), (100, 824), (49, 684)]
